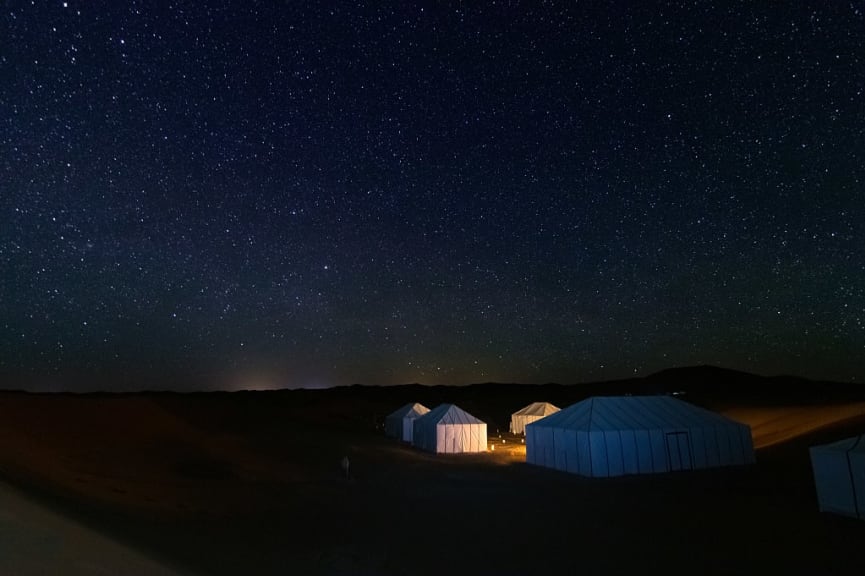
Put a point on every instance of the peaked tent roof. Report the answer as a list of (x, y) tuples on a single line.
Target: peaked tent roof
[(635, 412), (449, 414), (854, 445), (537, 409), (410, 410)]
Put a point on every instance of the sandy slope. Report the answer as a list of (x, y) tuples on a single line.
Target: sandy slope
[(37, 541), (250, 484), (773, 425)]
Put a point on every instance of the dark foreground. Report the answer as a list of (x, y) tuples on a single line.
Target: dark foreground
[(250, 484)]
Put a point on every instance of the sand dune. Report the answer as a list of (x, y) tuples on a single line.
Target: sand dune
[(35, 540), (229, 484), (773, 425)]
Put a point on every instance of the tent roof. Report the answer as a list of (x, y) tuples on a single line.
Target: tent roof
[(634, 413), (537, 409), (410, 410), (449, 414), (855, 444)]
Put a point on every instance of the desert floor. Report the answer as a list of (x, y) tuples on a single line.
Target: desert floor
[(249, 483)]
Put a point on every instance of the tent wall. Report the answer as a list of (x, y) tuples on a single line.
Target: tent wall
[(400, 423), (519, 421), (604, 453), (451, 438), (460, 438), (448, 429), (400, 428), (407, 429), (839, 477)]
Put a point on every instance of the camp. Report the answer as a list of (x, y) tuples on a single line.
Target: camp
[(532, 412), (448, 428), (839, 475), (614, 436), (400, 423)]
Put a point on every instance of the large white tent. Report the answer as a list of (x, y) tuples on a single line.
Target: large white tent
[(447, 428), (614, 436), (527, 415), (839, 474), (400, 423)]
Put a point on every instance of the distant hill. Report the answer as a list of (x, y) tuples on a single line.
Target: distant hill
[(709, 386), (719, 384)]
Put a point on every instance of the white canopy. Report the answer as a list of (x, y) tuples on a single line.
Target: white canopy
[(448, 428), (839, 475), (613, 436), (532, 412), (400, 423)]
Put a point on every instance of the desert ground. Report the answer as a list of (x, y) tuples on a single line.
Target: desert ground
[(250, 483)]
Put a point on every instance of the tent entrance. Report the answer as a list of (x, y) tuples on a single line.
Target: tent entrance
[(679, 451)]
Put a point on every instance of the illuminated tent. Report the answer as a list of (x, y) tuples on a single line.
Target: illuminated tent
[(447, 428), (614, 436), (400, 423), (532, 412), (839, 474)]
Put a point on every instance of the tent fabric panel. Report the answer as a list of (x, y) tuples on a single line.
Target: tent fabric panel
[(598, 449), (643, 444), (615, 457), (712, 452), (444, 437), (698, 448), (572, 459), (839, 477), (853, 444), (630, 459), (515, 426), (646, 412), (584, 453), (546, 447), (413, 409), (531, 445), (725, 456), (560, 455), (574, 416), (450, 414), (659, 451), (550, 447), (400, 423), (832, 480), (738, 448), (734, 444), (419, 435), (541, 438), (519, 422), (609, 436), (457, 438), (537, 409)]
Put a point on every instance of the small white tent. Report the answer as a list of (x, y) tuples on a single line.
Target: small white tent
[(400, 423), (447, 428), (614, 436), (527, 415), (839, 475)]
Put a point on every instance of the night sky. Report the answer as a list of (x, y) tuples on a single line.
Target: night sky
[(262, 194)]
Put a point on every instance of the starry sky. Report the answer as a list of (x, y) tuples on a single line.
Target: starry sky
[(225, 195)]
